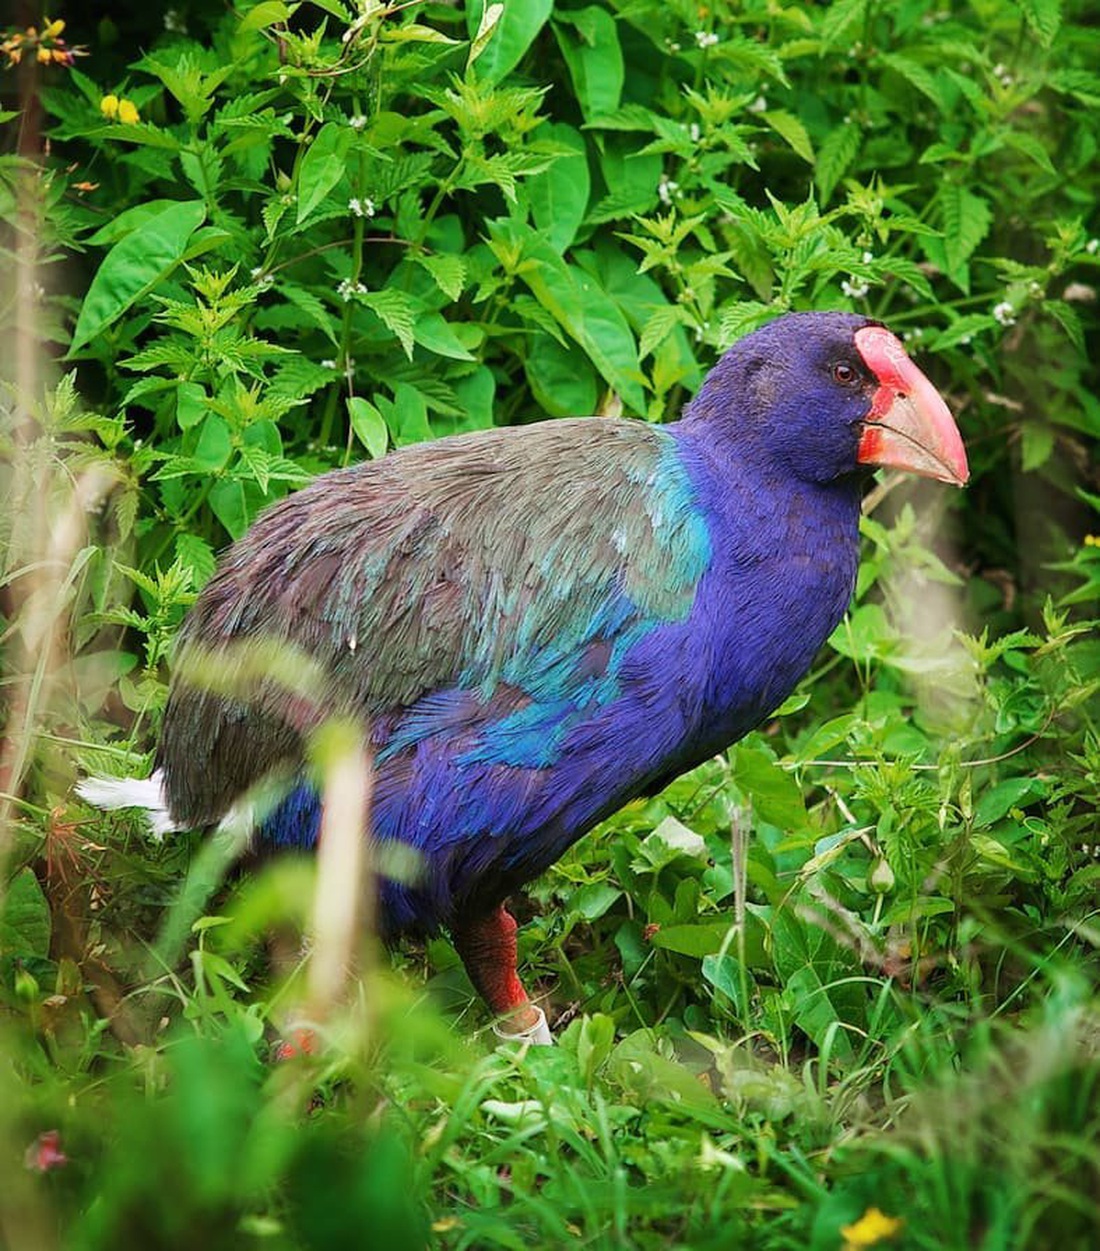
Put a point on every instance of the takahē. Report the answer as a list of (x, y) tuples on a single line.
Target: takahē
[(535, 625)]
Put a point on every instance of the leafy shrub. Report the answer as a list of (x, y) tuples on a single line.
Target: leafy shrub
[(289, 236)]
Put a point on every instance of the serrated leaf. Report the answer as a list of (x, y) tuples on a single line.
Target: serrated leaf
[(660, 324), (789, 128), (397, 311), (1044, 17), (835, 156), (964, 330), (447, 270), (966, 220), (916, 75)]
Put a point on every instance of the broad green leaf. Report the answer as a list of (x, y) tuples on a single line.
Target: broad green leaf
[(322, 166), (190, 404), (775, 795), (369, 426), (996, 802), (406, 415), (726, 973), (134, 266), (266, 13), (561, 378), (511, 35), (214, 445), (692, 940), (434, 332), (25, 918), (559, 195), (593, 57), (579, 305)]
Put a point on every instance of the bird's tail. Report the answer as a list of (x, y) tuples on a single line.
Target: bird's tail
[(147, 793)]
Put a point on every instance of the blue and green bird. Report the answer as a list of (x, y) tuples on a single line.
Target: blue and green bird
[(535, 625)]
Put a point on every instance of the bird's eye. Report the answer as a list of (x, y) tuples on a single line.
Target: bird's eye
[(844, 373)]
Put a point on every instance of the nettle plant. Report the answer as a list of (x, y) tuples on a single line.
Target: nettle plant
[(317, 231)]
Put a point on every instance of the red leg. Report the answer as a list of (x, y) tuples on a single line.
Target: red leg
[(487, 946)]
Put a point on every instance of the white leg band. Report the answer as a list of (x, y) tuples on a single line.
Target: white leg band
[(538, 1034)]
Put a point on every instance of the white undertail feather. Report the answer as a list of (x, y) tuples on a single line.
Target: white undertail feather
[(148, 793)]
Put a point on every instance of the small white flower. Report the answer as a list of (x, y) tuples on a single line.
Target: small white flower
[(345, 289), (666, 189), (255, 272), (855, 288), (356, 206), (868, 257), (694, 132), (673, 46), (759, 105), (706, 38), (1005, 313), (1034, 289), (357, 122), (328, 363), (1092, 247), (174, 23)]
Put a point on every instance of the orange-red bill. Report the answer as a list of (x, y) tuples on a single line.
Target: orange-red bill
[(909, 426)]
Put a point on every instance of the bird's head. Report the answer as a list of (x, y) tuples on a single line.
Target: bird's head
[(827, 393)]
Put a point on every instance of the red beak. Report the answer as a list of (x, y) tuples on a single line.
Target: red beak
[(909, 426)]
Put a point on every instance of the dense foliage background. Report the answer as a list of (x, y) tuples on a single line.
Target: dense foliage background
[(837, 989)]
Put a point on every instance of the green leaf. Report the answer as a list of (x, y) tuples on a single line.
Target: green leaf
[(580, 306), (788, 127), (561, 378), (692, 940), (594, 59), (775, 795), (266, 13), (726, 973), (25, 918), (966, 219), (835, 157), (1044, 17), (190, 404), (134, 266), (434, 332), (998, 801), (322, 166), (512, 34), (559, 195), (447, 270), (397, 310), (369, 426)]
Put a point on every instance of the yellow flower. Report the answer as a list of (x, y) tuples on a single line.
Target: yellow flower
[(53, 29), (127, 112), (43, 55), (871, 1228), (108, 106)]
